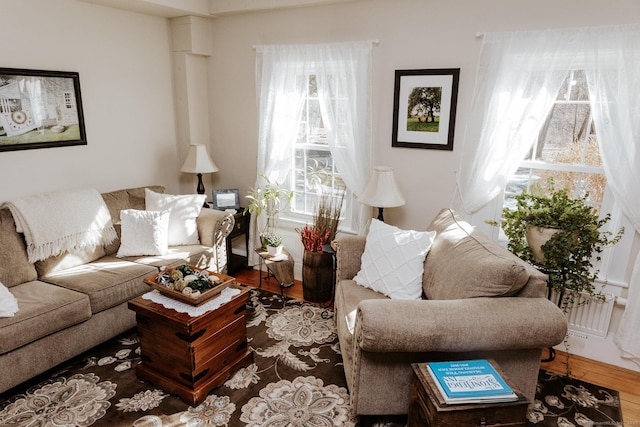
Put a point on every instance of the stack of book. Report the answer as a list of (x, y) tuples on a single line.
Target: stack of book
[(470, 381)]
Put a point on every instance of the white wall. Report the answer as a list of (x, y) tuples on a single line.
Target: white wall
[(413, 34), (124, 61)]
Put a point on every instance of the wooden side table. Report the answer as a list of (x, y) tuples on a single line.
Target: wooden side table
[(428, 408), (189, 356), (278, 267)]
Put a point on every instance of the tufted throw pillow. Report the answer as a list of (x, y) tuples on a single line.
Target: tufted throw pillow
[(143, 233), (183, 229), (393, 260), (8, 303)]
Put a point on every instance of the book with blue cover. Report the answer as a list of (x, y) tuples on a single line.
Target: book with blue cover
[(470, 381)]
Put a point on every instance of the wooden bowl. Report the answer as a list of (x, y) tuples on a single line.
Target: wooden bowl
[(225, 282)]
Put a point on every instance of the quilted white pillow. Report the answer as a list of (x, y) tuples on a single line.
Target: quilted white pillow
[(183, 229), (393, 260), (143, 232), (8, 303)]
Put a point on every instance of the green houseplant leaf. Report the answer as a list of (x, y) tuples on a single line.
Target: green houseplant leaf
[(569, 254)]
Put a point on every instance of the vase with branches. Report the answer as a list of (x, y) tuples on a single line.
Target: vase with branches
[(317, 265)]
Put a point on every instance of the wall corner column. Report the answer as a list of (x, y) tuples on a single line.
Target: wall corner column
[(191, 47)]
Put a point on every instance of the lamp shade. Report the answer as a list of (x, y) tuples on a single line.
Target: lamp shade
[(382, 190), (198, 160)]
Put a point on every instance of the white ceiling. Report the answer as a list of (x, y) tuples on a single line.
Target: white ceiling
[(204, 8)]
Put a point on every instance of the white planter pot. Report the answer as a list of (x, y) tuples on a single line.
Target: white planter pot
[(538, 236), (274, 250)]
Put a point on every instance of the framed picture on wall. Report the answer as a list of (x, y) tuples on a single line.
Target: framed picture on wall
[(226, 199), (424, 108), (40, 109)]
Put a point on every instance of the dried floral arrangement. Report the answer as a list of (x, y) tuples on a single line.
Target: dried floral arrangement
[(325, 223)]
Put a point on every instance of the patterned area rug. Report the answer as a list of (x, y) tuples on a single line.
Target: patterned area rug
[(568, 402), (297, 379)]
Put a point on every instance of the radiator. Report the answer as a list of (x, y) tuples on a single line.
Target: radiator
[(588, 315)]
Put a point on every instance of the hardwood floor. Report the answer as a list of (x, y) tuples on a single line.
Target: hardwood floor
[(625, 381), (251, 278)]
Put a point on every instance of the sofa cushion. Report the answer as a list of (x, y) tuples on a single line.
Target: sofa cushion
[(465, 263), (132, 198), (15, 267), (196, 255), (183, 229), (393, 260), (44, 309), (138, 195), (69, 259), (143, 232), (108, 281)]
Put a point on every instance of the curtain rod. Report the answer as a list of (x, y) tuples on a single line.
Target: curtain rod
[(374, 41)]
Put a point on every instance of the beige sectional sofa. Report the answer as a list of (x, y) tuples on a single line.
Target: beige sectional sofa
[(479, 301), (75, 301)]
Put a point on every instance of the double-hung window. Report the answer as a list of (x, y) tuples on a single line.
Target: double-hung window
[(315, 125), (566, 149), (313, 171)]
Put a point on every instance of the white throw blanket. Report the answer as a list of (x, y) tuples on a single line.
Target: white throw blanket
[(60, 221)]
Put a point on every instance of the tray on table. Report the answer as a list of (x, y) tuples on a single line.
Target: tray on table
[(225, 282)]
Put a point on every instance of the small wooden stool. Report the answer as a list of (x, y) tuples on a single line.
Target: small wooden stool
[(428, 408), (278, 267)]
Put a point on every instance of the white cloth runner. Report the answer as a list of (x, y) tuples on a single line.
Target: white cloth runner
[(60, 221), (194, 311)]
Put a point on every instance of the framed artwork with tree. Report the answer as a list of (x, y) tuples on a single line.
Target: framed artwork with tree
[(424, 108)]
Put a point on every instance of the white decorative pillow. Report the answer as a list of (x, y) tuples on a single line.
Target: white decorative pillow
[(143, 232), (8, 303), (393, 260), (183, 229)]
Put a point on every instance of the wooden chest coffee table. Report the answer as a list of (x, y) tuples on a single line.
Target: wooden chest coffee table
[(428, 408), (189, 356)]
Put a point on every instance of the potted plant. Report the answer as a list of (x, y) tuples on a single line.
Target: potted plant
[(317, 262), (269, 198), (273, 243), (571, 239)]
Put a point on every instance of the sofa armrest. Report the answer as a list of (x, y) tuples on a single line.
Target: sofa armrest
[(474, 324), (214, 226), (349, 251)]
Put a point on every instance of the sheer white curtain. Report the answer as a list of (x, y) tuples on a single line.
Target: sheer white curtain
[(280, 92), (519, 75), (613, 76), (343, 75)]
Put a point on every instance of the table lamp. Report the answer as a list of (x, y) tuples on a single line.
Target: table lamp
[(382, 191), (198, 162)]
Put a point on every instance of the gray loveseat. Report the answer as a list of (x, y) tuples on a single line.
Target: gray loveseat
[(479, 301), (75, 301)]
